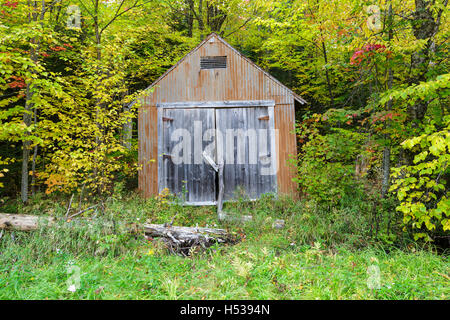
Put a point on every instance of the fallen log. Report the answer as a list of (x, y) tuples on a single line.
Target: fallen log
[(183, 239), (179, 239), (23, 222)]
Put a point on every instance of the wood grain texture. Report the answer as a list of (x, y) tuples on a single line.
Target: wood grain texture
[(246, 152), (191, 180), (23, 222), (182, 240)]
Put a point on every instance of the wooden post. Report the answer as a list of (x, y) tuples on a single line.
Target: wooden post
[(221, 191)]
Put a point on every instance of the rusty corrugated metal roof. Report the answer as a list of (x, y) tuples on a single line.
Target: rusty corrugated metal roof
[(296, 96)]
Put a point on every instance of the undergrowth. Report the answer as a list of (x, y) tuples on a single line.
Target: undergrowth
[(321, 252)]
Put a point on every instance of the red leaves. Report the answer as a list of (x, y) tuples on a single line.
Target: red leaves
[(357, 57), (61, 48), (367, 51), (350, 116), (374, 47), (389, 115), (58, 48), (10, 4), (64, 47), (17, 83)]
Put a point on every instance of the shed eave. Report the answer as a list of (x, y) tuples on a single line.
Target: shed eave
[(296, 96)]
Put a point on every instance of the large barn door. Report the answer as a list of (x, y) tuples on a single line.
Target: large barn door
[(246, 147), (186, 133)]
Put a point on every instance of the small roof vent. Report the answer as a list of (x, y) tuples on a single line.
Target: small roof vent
[(213, 62)]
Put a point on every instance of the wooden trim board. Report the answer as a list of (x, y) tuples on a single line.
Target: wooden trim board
[(217, 104)]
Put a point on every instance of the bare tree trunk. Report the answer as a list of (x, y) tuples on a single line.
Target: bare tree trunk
[(425, 26), (386, 170), (324, 50), (25, 153), (33, 162), (127, 129), (215, 17), (199, 17), (27, 120), (127, 134), (33, 15), (387, 149), (190, 18), (27, 143), (98, 102)]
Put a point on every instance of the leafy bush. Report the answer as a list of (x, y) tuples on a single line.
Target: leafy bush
[(422, 187), (326, 162)]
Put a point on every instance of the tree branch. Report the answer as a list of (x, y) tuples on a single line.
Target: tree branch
[(243, 25), (117, 15)]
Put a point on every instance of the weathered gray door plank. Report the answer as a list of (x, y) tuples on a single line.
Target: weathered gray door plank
[(184, 172), (246, 150)]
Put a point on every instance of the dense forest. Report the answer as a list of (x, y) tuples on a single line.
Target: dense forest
[(375, 74), (372, 163)]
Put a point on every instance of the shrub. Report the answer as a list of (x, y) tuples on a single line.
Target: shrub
[(421, 187), (326, 162)]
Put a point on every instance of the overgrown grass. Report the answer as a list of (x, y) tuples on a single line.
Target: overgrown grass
[(320, 254)]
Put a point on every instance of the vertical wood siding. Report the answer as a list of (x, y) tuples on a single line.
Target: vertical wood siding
[(191, 180), (241, 80), (148, 150), (246, 173)]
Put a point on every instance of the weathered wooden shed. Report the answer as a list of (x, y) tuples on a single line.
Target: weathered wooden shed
[(215, 106)]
